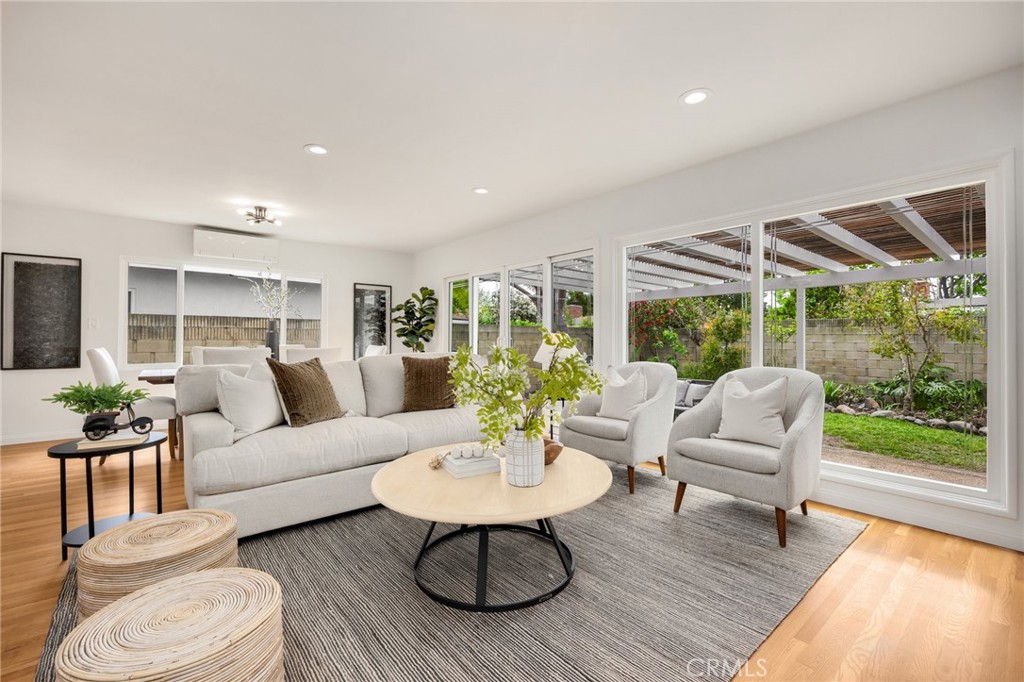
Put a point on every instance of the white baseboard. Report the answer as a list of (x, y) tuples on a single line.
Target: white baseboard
[(18, 439), (990, 529)]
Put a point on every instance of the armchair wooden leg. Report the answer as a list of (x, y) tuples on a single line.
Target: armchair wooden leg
[(680, 491), (631, 472), (661, 463), (803, 507), (780, 521), (172, 436)]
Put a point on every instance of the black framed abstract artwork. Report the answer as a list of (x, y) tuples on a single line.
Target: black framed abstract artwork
[(41, 311), (372, 318)]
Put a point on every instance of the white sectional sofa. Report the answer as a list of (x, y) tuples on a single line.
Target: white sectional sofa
[(285, 475)]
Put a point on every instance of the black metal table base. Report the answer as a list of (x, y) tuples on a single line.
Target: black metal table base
[(545, 529)]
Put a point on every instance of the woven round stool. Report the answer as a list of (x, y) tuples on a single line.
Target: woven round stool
[(222, 624), (127, 558)]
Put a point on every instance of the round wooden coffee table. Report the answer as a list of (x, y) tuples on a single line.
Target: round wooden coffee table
[(487, 504)]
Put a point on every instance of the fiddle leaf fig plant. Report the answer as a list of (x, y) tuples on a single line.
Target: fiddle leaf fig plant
[(415, 319), (88, 399), (501, 388)]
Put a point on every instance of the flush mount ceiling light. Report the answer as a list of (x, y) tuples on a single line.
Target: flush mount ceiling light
[(695, 96), (316, 149), (257, 215), (481, 190)]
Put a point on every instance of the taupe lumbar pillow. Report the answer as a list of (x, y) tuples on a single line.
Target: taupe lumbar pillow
[(426, 384), (753, 416), (306, 392)]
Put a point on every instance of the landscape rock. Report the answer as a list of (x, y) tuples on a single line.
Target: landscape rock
[(920, 422), (938, 423), (846, 409), (959, 426), (871, 404), (883, 413), (983, 431), (829, 408)]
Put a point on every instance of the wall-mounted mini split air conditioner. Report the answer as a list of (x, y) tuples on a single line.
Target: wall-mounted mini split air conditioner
[(234, 246)]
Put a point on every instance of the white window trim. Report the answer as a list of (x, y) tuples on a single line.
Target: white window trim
[(997, 172), (179, 332)]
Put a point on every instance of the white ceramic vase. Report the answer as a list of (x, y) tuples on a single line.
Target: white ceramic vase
[(524, 460)]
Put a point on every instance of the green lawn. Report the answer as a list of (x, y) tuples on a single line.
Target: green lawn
[(908, 441)]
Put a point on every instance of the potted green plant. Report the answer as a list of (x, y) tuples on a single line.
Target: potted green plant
[(513, 409), (87, 399), (415, 319)]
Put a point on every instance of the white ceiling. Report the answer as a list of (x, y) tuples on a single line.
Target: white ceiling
[(172, 111)]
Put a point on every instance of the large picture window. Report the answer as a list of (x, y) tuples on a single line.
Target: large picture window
[(171, 309)]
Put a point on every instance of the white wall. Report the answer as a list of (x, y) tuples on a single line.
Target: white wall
[(981, 119), (100, 241)]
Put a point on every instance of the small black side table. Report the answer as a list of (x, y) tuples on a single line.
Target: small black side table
[(68, 450)]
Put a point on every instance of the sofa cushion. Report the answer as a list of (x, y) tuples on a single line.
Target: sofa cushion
[(752, 457), (285, 454), (251, 406), (429, 428), (218, 356), (598, 427), (347, 381), (384, 382), (306, 392), (696, 392), (682, 385), (427, 384), (195, 386)]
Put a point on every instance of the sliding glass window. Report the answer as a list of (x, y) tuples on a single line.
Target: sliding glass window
[(152, 307), (572, 284), (458, 314), (489, 332), (526, 307)]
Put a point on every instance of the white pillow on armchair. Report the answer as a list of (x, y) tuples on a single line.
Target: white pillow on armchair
[(620, 397), (753, 416)]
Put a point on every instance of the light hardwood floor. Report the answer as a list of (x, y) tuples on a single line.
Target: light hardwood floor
[(902, 603)]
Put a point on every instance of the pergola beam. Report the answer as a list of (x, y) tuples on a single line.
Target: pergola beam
[(826, 229), (634, 265), (798, 253), (828, 279), (695, 264), (700, 246), (907, 217)]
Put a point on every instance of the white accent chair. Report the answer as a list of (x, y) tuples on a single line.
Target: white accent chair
[(156, 407), (779, 477), (222, 355), (291, 355), (631, 442)]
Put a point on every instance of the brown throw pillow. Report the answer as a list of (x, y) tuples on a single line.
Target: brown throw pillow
[(306, 393), (426, 384)]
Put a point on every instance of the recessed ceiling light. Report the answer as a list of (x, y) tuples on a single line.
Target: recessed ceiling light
[(316, 149), (695, 96), (481, 190)]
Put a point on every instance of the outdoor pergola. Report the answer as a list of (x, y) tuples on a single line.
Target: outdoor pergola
[(924, 237)]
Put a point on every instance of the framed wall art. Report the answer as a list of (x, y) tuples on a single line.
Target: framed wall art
[(41, 312), (372, 318)]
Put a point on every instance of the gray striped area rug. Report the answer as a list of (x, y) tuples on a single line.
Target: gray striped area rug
[(656, 596)]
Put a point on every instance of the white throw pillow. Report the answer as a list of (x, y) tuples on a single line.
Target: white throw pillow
[(250, 405), (753, 416), (621, 397)]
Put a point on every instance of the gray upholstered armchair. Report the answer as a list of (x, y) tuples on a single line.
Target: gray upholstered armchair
[(781, 477), (630, 442)]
